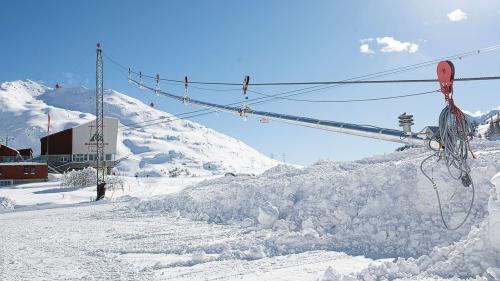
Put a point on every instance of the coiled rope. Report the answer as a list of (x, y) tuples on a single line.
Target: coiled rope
[(455, 132)]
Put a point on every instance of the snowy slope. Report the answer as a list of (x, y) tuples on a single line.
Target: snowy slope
[(152, 151), (488, 124), (490, 129)]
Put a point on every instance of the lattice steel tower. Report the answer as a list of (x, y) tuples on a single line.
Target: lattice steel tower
[(99, 131)]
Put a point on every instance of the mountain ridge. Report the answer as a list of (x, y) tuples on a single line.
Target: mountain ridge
[(153, 151)]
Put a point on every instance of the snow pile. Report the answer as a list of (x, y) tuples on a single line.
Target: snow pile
[(78, 179), (478, 255), (380, 206), (6, 203), (162, 149)]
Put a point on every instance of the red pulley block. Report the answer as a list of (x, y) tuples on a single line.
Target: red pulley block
[(446, 74)]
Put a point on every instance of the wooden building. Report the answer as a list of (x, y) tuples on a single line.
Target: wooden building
[(8, 154), (14, 169), (74, 149)]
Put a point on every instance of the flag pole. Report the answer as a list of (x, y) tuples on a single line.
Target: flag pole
[(48, 132)]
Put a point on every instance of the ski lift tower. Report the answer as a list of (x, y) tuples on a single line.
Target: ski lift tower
[(99, 131)]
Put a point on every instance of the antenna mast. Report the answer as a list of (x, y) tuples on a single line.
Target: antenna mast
[(99, 133)]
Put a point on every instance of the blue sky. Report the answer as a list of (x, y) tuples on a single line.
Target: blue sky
[(54, 41)]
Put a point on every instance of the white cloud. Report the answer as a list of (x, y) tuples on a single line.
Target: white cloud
[(365, 49), (457, 15), (393, 45), (366, 40)]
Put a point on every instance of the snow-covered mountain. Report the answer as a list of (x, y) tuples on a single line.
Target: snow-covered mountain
[(154, 150), (487, 124)]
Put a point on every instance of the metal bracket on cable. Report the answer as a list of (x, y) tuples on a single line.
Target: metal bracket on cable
[(245, 107), (185, 98), (246, 81), (141, 84), (157, 89), (129, 76)]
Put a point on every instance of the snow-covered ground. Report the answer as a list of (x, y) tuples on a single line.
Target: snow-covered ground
[(55, 233), (317, 223), (52, 193)]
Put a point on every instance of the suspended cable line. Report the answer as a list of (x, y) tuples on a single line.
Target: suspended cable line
[(348, 81), (285, 95), (351, 100)]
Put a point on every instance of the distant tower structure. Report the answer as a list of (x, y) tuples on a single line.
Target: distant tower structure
[(99, 131)]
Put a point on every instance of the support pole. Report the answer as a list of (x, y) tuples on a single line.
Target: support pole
[(99, 133)]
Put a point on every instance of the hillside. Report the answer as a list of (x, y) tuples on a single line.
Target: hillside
[(487, 124), (153, 151)]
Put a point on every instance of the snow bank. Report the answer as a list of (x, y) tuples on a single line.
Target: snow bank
[(380, 206), (6, 204), (476, 256)]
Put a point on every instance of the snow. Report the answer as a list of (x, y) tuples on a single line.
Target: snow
[(482, 119), (54, 193), (286, 224), (380, 206), (371, 219), (6, 203), (151, 151), (110, 241)]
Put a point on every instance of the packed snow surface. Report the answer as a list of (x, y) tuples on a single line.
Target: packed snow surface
[(163, 149), (60, 235)]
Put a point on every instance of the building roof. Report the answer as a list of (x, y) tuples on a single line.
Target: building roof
[(57, 133), (23, 164), (80, 125), (8, 151)]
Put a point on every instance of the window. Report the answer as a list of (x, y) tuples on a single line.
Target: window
[(26, 170), (63, 158), (78, 158), (0, 171), (5, 182), (108, 157), (33, 170)]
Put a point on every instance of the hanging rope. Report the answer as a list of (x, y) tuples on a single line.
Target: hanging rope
[(455, 132)]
